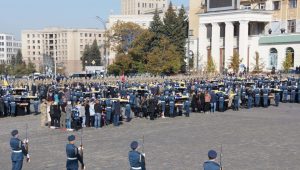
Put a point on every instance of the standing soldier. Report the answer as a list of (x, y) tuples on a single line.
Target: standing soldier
[(18, 151), (43, 112), (73, 155), (136, 158), (211, 164)]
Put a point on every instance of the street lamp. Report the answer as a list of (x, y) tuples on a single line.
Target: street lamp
[(106, 58), (190, 34)]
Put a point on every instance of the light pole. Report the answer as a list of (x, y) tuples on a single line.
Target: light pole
[(190, 33), (106, 58)]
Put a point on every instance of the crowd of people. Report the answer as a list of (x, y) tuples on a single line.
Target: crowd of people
[(78, 103)]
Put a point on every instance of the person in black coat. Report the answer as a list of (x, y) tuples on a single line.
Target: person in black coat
[(55, 114)]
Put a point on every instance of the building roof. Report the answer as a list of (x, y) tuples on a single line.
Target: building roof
[(280, 39)]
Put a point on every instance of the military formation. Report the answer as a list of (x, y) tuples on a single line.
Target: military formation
[(74, 104)]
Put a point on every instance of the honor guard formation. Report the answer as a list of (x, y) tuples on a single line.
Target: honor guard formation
[(75, 104)]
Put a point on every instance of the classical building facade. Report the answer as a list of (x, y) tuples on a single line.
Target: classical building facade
[(9, 47), (268, 27), (140, 7), (64, 45)]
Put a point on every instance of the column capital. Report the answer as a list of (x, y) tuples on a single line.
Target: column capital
[(215, 24), (243, 22), (228, 23)]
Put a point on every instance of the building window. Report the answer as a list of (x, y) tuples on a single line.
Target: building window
[(273, 57), (290, 50), (99, 35), (262, 6), (276, 5), (291, 26), (293, 3)]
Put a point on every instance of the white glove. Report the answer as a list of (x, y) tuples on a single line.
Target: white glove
[(25, 141), (28, 157), (144, 154)]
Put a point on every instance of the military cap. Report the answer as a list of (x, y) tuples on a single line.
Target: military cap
[(212, 154), (134, 145), (71, 138), (14, 132)]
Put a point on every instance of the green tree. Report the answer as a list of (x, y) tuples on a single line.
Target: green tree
[(19, 57), (288, 62), (234, 62), (259, 65), (123, 63), (30, 67), (211, 67), (164, 58), (85, 60), (94, 54), (170, 24), (156, 27)]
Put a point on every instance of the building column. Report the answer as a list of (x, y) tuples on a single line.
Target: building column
[(202, 46), (215, 45), (229, 38), (243, 41)]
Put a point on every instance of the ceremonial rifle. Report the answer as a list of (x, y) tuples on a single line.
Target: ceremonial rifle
[(221, 167), (143, 160), (81, 146), (26, 143)]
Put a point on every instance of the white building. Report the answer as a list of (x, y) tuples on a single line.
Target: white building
[(66, 45), (9, 47), (247, 28), (140, 7)]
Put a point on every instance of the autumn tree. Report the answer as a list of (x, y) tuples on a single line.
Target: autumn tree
[(288, 62), (211, 67), (259, 65), (234, 62), (122, 34), (164, 59)]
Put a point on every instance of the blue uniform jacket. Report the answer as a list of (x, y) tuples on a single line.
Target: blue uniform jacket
[(18, 149), (73, 157), (135, 159), (211, 165)]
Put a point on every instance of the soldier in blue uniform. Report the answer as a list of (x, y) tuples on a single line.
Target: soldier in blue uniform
[(13, 107), (136, 159), (18, 151), (108, 110), (117, 112), (128, 112), (257, 97), (221, 102), (172, 105), (211, 164), (265, 97), (277, 99), (293, 95), (73, 155), (187, 105)]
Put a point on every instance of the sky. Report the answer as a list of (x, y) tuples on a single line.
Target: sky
[(18, 15)]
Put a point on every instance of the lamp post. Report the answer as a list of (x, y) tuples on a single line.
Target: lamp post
[(106, 58), (190, 33)]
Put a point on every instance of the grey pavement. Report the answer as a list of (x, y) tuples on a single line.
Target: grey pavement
[(256, 139)]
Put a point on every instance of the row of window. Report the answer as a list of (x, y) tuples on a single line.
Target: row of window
[(6, 37), (89, 35), (47, 35), (277, 4), (39, 53), (151, 5)]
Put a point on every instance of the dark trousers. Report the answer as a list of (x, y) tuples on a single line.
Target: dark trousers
[(87, 120), (55, 121), (92, 120), (207, 106), (17, 165)]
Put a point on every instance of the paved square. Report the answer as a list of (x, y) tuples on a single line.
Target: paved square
[(256, 139)]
